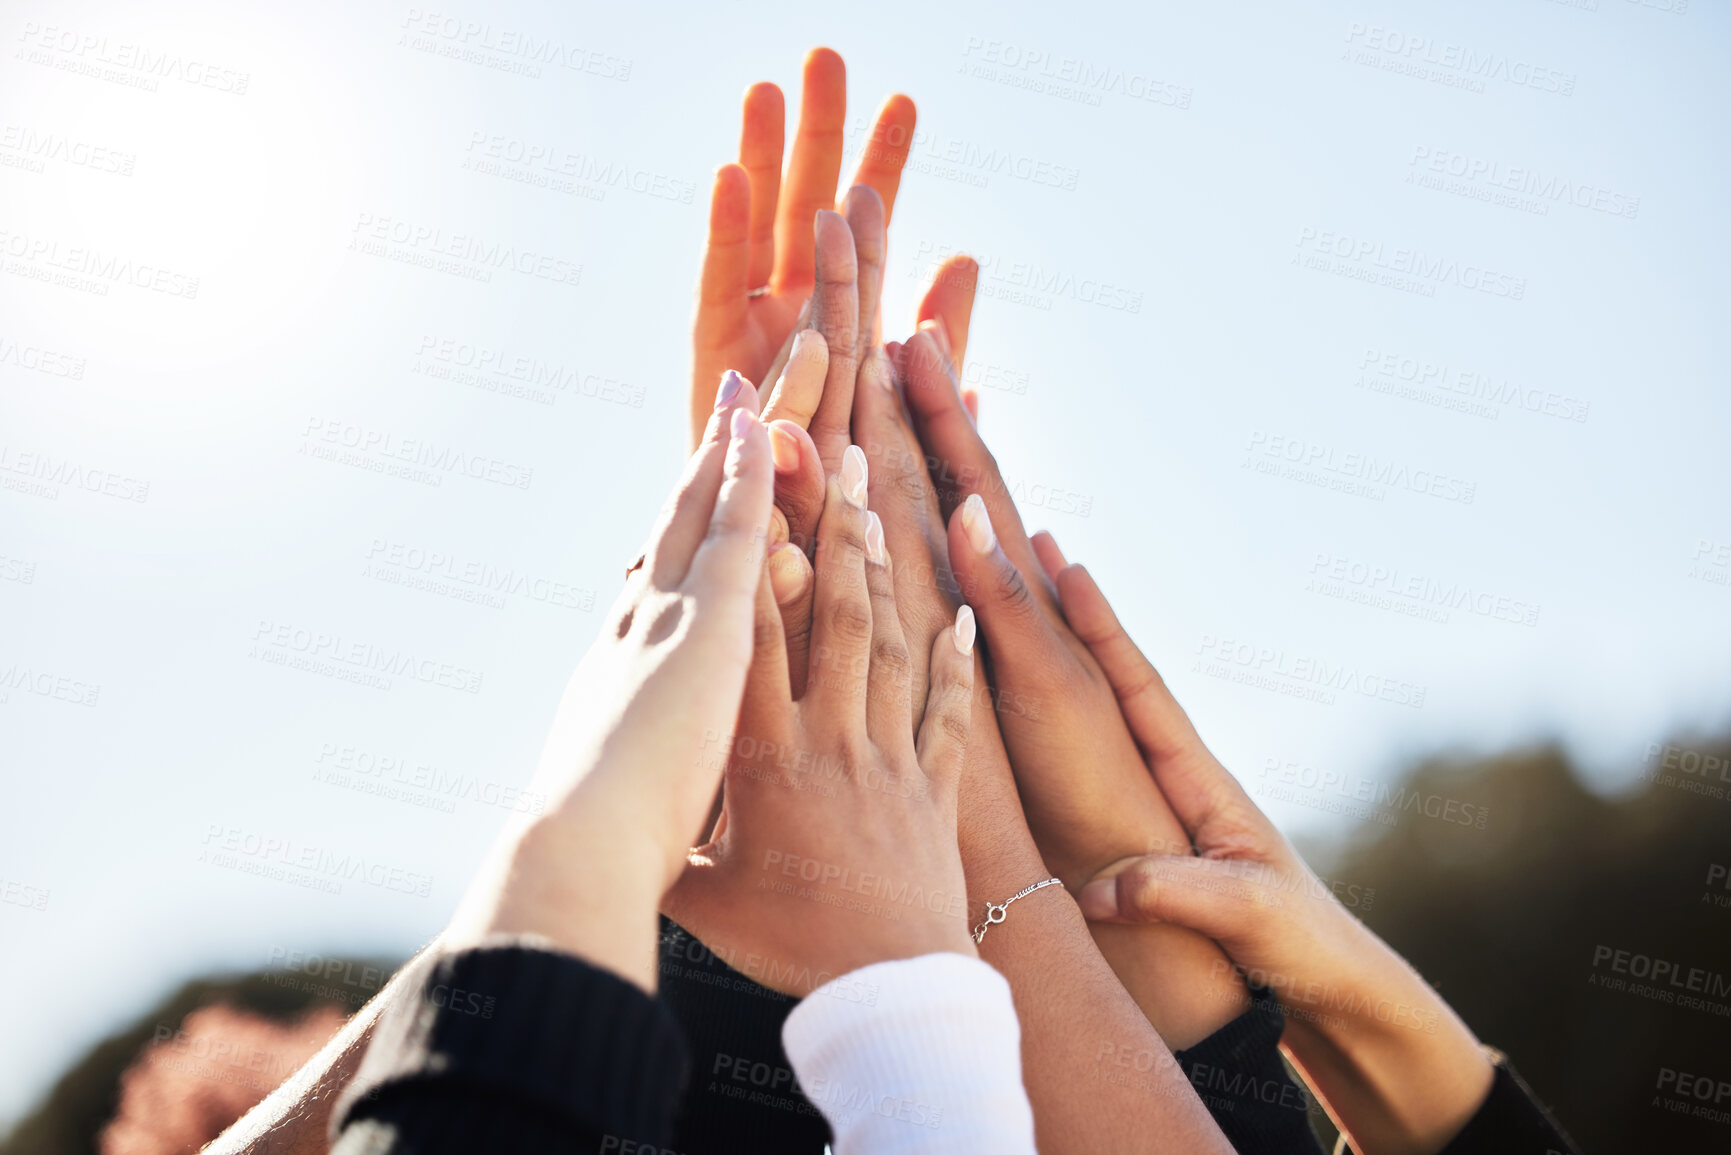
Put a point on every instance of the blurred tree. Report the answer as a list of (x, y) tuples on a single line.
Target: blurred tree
[(1518, 925)]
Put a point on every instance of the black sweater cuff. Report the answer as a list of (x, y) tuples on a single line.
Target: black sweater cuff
[(1238, 1073), (1511, 1120), (509, 1048)]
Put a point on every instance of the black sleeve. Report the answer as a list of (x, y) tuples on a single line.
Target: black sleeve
[(510, 1049), (743, 1096), (1242, 1081), (1511, 1120)]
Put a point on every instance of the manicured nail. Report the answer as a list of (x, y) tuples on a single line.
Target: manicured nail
[(853, 475), (1099, 899), (804, 340), (964, 630), (730, 383), (784, 447), (875, 539), (978, 524), (940, 333), (786, 573)]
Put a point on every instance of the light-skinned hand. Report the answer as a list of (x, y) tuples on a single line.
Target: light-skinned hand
[(837, 843), (625, 768), (775, 261)]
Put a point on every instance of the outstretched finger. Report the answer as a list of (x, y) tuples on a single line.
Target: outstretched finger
[(799, 387), (723, 289), (1051, 557), (889, 688), (768, 695), (866, 219), (1192, 779), (841, 612), (948, 724), (761, 137), (727, 567), (799, 483), (835, 314), (1018, 632), (953, 446), (886, 151), (790, 583), (814, 168), (901, 494), (684, 519), (950, 300)]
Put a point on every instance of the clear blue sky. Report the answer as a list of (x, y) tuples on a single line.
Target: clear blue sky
[(1269, 295)]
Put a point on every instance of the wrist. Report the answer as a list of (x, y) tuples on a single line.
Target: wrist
[(1394, 1064), (587, 892), (1136, 826)]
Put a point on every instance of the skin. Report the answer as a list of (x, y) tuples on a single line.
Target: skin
[(1089, 797), (1077, 1018), (834, 782), (1397, 1069), (622, 767), (762, 235), (1080, 822)]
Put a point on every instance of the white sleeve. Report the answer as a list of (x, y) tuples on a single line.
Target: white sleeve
[(914, 1056)]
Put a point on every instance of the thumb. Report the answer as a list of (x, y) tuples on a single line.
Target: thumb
[(1222, 899)]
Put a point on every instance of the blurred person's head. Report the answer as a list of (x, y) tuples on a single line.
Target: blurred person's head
[(190, 1083)]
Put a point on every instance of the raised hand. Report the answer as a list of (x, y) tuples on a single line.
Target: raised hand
[(1085, 786), (837, 845), (1395, 1066), (1073, 1009), (624, 768), (765, 256)]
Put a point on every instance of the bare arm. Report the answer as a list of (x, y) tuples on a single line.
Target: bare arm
[(1098, 1075)]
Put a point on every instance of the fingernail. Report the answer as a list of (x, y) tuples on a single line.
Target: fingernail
[(964, 630), (784, 448), (806, 339), (875, 539), (730, 383), (743, 420), (940, 333), (978, 524), (1099, 899), (786, 573), (853, 475)]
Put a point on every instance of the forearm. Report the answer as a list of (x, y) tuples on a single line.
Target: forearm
[(1181, 979), (1395, 1066), (586, 883), (295, 1118), (1098, 1076)]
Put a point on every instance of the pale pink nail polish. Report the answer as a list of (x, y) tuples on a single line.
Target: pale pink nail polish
[(875, 539), (977, 523), (963, 633), (730, 383), (853, 475)]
